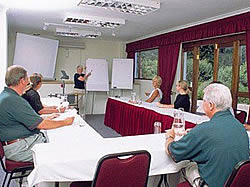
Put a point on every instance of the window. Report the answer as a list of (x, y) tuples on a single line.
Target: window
[(206, 64), (218, 61), (225, 66), (188, 67), (146, 63), (243, 84)]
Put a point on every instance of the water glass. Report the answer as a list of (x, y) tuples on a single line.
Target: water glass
[(133, 96), (178, 124), (157, 127), (139, 101)]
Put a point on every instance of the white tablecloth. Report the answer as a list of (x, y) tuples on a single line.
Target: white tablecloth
[(190, 117), (73, 152)]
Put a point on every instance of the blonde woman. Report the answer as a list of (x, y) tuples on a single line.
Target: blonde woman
[(182, 100), (156, 94), (34, 99)]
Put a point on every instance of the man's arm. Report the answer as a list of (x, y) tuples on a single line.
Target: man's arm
[(170, 139), (52, 124)]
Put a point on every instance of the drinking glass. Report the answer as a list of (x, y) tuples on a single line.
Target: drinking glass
[(178, 124), (133, 96), (157, 127)]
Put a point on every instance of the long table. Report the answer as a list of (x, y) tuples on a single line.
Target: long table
[(73, 152), (132, 119)]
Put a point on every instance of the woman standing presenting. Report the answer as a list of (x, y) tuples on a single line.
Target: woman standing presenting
[(182, 99), (80, 78)]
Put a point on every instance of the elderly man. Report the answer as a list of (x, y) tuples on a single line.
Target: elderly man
[(20, 125), (217, 145)]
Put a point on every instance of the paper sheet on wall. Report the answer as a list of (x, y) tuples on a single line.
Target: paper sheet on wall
[(122, 73), (98, 81)]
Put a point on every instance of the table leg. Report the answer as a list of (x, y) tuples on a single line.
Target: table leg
[(56, 184)]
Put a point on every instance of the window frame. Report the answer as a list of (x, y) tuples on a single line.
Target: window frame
[(234, 41)]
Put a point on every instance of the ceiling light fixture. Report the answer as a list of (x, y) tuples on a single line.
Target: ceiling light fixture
[(67, 31), (94, 21), (140, 7)]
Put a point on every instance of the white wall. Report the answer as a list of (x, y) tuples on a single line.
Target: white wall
[(3, 46), (69, 58)]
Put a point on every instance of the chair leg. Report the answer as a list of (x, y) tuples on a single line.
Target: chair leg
[(21, 179), (20, 182), (165, 180), (5, 177), (9, 180), (160, 181)]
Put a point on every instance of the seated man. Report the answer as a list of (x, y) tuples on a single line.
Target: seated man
[(19, 124), (217, 145)]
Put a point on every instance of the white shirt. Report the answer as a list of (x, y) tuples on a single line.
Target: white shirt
[(159, 97)]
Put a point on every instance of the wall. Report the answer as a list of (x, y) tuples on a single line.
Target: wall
[(3, 46), (68, 58)]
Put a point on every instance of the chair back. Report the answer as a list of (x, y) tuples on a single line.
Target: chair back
[(240, 176), (248, 119), (240, 115), (1, 150), (2, 156), (123, 170)]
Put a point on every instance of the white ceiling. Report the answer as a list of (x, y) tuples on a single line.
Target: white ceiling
[(29, 16)]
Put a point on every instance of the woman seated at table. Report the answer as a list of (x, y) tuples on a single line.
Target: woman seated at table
[(156, 94), (33, 97), (182, 99)]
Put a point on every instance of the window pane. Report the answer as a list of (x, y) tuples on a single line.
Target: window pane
[(188, 67), (146, 63), (225, 66), (205, 68), (243, 71)]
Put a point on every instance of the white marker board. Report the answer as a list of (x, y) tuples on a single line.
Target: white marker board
[(98, 81), (36, 54), (122, 73)]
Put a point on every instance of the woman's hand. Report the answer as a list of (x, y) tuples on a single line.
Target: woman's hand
[(158, 104)]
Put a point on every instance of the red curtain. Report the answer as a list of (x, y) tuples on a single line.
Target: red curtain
[(168, 59), (248, 59), (131, 54), (224, 26)]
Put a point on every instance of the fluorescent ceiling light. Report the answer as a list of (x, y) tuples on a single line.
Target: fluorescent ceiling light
[(140, 7), (94, 21), (66, 31)]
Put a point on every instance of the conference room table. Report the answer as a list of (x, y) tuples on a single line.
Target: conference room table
[(73, 152), (130, 119)]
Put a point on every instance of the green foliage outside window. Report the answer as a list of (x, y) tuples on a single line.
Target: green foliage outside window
[(147, 63), (224, 73)]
